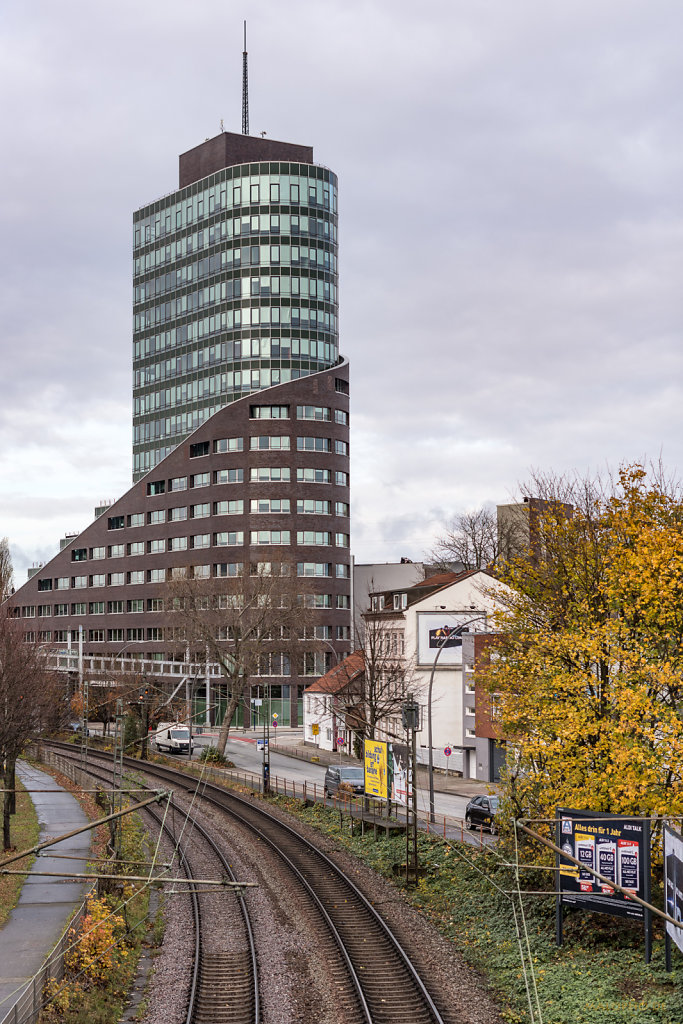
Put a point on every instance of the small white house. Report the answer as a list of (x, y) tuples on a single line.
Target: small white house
[(328, 703)]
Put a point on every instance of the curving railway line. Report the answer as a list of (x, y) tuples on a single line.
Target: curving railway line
[(373, 977), (223, 982)]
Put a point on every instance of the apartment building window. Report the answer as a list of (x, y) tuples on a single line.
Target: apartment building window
[(44, 585), (61, 609), (117, 550), (96, 636), (228, 444), (314, 569), (229, 539), (117, 579), (269, 474), (312, 412), (177, 515), (268, 442), (136, 577), (157, 516), (314, 476), (314, 444), (115, 607), (115, 635), (228, 508), (135, 633), (228, 569), (177, 483), (341, 478), (44, 610), (200, 511), (228, 476), (135, 519), (270, 537), (200, 480), (97, 554), (313, 506), (269, 505), (200, 449), (115, 522), (79, 554), (341, 508), (62, 582), (314, 537), (96, 608), (98, 580), (137, 548), (156, 575), (155, 487), (269, 412)]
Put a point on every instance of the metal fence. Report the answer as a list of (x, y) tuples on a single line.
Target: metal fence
[(26, 1009)]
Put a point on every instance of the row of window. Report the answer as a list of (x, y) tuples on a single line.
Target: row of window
[(205, 386), (154, 604), (236, 236), (306, 317), (199, 361), (320, 286), (206, 540), (261, 346), (136, 577), (266, 442), (320, 413), (236, 191)]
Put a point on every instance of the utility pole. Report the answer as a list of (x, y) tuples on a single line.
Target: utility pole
[(410, 714)]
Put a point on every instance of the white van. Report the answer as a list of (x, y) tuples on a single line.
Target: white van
[(172, 738)]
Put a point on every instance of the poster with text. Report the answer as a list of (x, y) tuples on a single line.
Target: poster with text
[(440, 631), (375, 760), (616, 848), (401, 791), (673, 883)]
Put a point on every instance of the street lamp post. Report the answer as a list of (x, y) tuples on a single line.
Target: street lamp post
[(455, 631)]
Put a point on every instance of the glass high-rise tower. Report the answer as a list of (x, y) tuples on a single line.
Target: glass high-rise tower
[(235, 285)]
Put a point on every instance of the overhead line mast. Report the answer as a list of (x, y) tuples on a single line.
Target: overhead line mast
[(245, 87)]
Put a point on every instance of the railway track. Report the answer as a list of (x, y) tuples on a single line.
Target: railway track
[(372, 974), (224, 975)]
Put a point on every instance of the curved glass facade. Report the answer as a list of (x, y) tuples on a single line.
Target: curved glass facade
[(235, 290)]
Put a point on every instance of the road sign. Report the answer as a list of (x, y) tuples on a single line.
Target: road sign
[(257, 701), (275, 716), (340, 741), (274, 725), (261, 744), (315, 729), (447, 751)]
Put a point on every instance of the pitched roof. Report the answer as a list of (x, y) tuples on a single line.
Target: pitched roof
[(340, 676)]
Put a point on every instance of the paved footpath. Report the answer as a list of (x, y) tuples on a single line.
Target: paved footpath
[(35, 925)]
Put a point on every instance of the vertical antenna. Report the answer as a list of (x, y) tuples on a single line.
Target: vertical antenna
[(245, 87)]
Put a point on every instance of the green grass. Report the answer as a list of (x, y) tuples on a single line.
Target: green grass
[(25, 830), (597, 977)]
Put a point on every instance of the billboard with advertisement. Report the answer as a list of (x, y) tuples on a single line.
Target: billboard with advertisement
[(673, 883), (434, 631), (376, 773), (401, 789), (617, 848)]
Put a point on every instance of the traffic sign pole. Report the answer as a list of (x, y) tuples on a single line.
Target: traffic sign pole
[(447, 751)]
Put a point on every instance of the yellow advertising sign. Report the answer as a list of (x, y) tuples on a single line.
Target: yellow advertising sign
[(315, 729), (375, 752)]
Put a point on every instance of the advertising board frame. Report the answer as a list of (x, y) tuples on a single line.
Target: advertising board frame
[(611, 845), (376, 768), (673, 890)]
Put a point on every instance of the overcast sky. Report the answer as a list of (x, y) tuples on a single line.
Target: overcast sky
[(511, 233)]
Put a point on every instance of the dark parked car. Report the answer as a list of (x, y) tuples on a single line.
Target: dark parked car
[(482, 810), (351, 777)]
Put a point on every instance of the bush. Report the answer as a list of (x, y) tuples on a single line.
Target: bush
[(211, 755)]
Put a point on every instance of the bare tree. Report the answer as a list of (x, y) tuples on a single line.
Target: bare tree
[(6, 570), (471, 539), (250, 625), (29, 702), (370, 700)]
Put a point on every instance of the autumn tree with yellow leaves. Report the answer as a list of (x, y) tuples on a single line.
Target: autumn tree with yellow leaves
[(587, 685)]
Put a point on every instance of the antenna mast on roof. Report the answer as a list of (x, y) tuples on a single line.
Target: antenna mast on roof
[(245, 87)]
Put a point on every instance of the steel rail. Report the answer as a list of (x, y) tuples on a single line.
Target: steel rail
[(222, 796)]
